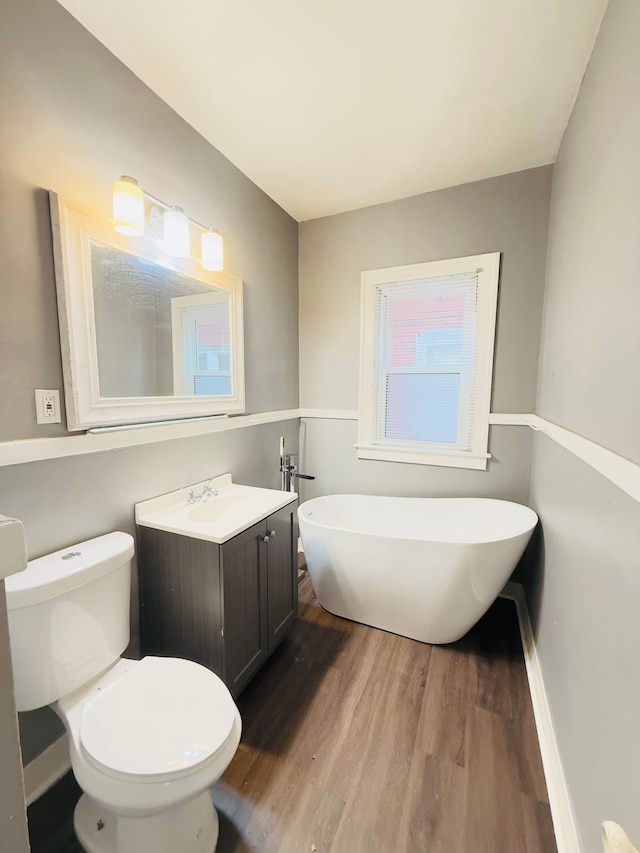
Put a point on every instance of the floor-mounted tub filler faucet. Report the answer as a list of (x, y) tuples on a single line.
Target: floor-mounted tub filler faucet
[(289, 469), (208, 491)]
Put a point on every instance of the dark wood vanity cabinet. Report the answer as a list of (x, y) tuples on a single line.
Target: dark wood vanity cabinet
[(226, 606), (259, 578)]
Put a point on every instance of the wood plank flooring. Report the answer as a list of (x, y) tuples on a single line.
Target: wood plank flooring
[(357, 740)]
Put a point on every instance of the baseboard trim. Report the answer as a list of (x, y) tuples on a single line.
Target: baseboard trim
[(564, 825), (45, 770)]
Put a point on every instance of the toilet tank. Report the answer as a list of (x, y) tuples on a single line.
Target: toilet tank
[(68, 617)]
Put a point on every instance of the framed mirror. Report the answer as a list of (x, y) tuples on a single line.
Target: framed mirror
[(145, 336)]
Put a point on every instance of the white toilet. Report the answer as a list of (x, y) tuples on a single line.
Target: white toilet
[(147, 738)]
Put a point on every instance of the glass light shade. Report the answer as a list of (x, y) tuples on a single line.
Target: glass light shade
[(176, 233), (128, 207), (212, 250)]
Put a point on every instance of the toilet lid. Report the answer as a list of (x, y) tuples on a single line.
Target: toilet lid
[(163, 716)]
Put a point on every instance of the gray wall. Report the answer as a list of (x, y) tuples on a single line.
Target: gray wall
[(328, 452), (590, 355), (74, 119), (584, 603), (586, 593), (507, 214)]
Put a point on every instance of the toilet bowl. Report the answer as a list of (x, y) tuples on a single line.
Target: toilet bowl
[(147, 738)]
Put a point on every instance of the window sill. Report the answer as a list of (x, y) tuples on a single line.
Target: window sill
[(476, 462)]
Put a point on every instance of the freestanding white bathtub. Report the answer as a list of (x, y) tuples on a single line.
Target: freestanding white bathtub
[(425, 568)]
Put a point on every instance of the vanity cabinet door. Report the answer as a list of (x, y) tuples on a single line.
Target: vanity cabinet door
[(225, 606), (282, 572), (244, 597), (180, 600)]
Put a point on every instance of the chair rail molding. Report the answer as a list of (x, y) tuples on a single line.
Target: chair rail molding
[(622, 472), (114, 438)]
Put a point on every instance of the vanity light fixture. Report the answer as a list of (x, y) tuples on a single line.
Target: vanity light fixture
[(212, 250), (170, 223), (128, 207), (176, 233)]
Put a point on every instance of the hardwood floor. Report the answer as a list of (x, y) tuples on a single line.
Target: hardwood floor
[(357, 740)]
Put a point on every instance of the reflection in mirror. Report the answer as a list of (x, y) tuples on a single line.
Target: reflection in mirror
[(201, 353), (144, 336), (158, 332)]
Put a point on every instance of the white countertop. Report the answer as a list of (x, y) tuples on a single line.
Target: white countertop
[(217, 518)]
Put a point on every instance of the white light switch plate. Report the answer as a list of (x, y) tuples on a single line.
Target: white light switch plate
[(47, 407)]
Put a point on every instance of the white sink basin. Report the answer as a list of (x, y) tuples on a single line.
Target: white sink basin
[(221, 507), (218, 517)]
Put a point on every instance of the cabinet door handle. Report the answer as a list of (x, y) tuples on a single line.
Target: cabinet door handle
[(265, 538), (272, 533)]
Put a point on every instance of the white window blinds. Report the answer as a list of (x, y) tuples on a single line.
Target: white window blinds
[(206, 354), (424, 369), (426, 361), (202, 352)]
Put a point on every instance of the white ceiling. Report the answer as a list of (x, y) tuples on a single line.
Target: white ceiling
[(339, 104)]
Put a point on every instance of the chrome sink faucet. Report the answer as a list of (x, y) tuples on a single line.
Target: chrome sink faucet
[(207, 491)]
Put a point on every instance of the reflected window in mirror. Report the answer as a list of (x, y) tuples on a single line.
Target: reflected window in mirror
[(201, 346)]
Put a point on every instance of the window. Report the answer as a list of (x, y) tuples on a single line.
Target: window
[(201, 345), (426, 357)]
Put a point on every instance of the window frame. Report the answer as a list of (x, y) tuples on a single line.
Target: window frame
[(179, 306), (487, 268)]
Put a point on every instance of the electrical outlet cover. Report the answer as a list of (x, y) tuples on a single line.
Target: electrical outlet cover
[(48, 406)]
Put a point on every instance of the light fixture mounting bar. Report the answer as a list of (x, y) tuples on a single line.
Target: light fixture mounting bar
[(166, 206)]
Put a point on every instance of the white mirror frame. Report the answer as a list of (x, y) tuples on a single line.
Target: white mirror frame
[(73, 228)]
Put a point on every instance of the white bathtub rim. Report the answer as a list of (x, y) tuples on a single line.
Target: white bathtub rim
[(380, 534)]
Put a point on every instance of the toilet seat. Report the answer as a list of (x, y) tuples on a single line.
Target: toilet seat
[(164, 717)]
